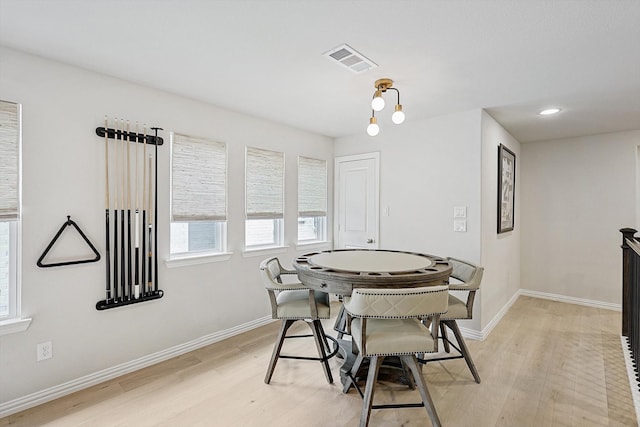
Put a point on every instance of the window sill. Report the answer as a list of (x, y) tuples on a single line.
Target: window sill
[(264, 251), (186, 260), (15, 325), (316, 244)]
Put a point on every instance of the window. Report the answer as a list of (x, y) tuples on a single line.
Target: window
[(312, 200), (265, 198), (198, 195), (9, 208)]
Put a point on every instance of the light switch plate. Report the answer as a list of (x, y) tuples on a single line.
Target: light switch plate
[(460, 212), (460, 225)]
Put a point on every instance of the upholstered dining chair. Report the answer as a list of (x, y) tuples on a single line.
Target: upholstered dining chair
[(292, 301), (467, 277), (387, 322)]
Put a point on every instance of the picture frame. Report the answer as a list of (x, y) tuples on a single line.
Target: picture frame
[(506, 189)]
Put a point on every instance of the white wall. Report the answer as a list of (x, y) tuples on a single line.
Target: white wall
[(500, 252), (577, 194), (63, 174), (426, 168)]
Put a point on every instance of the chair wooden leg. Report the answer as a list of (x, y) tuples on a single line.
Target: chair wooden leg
[(411, 362), (286, 324), (445, 337), (325, 340), (354, 373), (318, 335), (341, 322), (463, 347), (407, 375), (374, 366)]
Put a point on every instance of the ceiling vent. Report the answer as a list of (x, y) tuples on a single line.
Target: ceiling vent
[(350, 58)]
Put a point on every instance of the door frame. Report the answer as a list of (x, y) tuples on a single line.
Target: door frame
[(375, 156)]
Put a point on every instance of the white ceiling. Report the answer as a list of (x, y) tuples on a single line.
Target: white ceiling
[(264, 57)]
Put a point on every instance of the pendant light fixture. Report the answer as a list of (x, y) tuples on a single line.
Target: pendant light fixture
[(377, 104)]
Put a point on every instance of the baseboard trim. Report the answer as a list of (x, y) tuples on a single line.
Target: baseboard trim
[(55, 392), (484, 333), (571, 300)]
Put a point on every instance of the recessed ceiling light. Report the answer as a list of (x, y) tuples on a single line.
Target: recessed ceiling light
[(549, 111)]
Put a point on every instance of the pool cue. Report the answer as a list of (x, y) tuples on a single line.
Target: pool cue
[(122, 195), (151, 254), (129, 271), (106, 210), (136, 287), (144, 215), (155, 201), (115, 213)]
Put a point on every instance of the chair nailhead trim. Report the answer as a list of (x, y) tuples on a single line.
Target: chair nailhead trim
[(408, 292), (394, 317), (396, 354), (302, 318)]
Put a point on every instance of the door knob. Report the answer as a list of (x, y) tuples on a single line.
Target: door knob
[(369, 240)]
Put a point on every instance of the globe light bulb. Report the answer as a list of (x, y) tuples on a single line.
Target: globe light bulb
[(377, 103), (373, 129), (398, 116)]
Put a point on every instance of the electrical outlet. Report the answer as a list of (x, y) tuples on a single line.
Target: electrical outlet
[(44, 351)]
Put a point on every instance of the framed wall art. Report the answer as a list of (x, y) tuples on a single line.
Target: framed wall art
[(506, 188)]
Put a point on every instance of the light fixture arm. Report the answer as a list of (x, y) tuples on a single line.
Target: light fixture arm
[(397, 91)]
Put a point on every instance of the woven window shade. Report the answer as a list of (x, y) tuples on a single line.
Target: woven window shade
[(199, 179), (9, 150), (312, 187), (265, 184)]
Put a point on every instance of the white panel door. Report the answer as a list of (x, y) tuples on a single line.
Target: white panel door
[(357, 204)]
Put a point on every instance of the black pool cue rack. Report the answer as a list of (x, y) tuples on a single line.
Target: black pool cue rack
[(120, 288), (130, 136)]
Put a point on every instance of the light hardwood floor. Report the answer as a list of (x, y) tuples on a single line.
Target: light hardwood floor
[(546, 364)]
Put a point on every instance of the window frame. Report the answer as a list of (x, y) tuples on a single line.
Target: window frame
[(278, 235), (320, 223), (220, 249), (13, 289), (13, 321)]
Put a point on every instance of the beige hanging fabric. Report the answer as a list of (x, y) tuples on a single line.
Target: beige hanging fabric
[(312, 187), (265, 184), (199, 179), (9, 160)]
